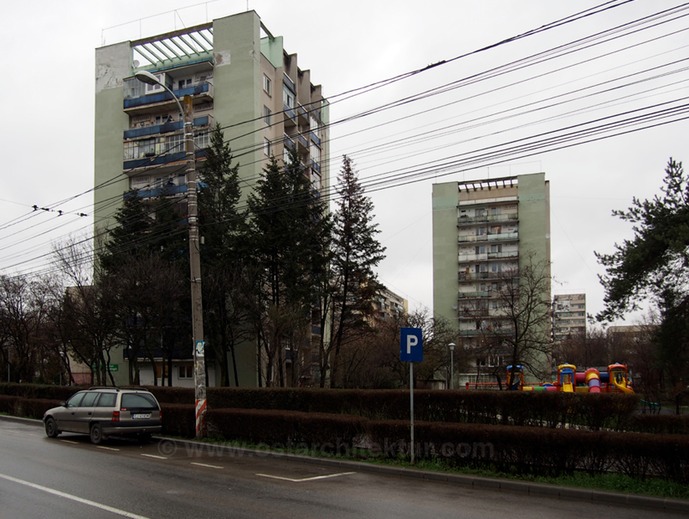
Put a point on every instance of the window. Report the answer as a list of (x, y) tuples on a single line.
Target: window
[(138, 401), (175, 143), (267, 85), (183, 83), (186, 371), (106, 400), (266, 115), (287, 98), (266, 147), (89, 399)]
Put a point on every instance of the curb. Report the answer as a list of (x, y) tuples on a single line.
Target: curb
[(475, 482)]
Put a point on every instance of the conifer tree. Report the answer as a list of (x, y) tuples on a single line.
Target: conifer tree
[(356, 252)]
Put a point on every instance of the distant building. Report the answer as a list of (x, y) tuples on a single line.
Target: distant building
[(239, 75), (388, 305), (484, 230), (569, 316)]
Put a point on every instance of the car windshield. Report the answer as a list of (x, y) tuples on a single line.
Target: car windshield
[(138, 401)]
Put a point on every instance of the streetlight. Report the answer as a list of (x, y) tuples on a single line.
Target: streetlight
[(194, 251), (452, 364)]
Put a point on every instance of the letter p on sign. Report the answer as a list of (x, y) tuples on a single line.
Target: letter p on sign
[(411, 345)]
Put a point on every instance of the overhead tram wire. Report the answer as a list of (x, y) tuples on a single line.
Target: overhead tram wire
[(533, 107), (528, 33), (510, 67), (365, 89)]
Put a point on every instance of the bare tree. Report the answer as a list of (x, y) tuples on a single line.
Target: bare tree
[(520, 329), (26, 304)]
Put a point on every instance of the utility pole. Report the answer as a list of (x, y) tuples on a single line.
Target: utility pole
[(199, 345), (195, 271)]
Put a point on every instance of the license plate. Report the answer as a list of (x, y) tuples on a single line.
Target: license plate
[(141, 415)]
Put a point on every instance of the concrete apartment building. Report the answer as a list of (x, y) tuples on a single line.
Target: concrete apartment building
[(482, 230), (569, 316), (238, 75)]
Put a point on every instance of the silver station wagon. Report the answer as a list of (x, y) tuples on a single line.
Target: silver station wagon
[(106, 411)]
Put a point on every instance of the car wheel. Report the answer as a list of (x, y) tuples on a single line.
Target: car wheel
[(51, 429), (96, 434)]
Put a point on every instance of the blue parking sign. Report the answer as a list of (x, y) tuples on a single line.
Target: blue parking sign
[(411, 345)]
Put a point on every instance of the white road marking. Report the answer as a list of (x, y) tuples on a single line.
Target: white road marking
[(88, 502), (302, 480), (108, 448), (207, 466), (155, 456), (69, 441)]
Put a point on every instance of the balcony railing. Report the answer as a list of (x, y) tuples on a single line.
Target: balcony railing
[(203, 88), (157, 129), (289, 142), (290, 116), (158, 160), (161, 191), (315, 139), (501, 236), (303, 115), (488, 218)]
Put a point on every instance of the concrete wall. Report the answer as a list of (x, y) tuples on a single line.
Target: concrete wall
[(445, 251), (113, 64)]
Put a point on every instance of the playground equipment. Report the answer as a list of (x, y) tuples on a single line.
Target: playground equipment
[(615, 380)]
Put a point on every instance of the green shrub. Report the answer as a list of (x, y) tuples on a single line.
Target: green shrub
[(179, 420)]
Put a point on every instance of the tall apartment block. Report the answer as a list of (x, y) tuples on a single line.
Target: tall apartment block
[(569, 316), (239, 75), (483, 230)]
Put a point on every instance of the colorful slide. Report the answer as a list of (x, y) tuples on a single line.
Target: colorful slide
[(567, 374), (618, 378), (621, 385), (592, 379)]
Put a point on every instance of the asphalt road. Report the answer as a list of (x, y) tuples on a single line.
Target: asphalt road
[(70, 478)]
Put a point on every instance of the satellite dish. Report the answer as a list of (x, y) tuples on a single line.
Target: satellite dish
[(136, 63)]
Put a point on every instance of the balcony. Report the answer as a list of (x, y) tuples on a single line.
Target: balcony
[(315, 139), (161, 191), (303, 115), (288, 142), (490, 237), (302, 143), (316, 166), (472, 277), (157, 129), (290, 116), (487, 218), (201, 91), (160, 161)]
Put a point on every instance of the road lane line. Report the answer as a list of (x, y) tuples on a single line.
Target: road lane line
[(78, 499), (70, 441), (108, 448), (207, 466), (302, 480), (155, 456)]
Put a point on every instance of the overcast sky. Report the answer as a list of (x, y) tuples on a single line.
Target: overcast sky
[(464, 120)]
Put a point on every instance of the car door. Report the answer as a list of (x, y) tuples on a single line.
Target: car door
[(103, 408), (66, 416), (82, 414)]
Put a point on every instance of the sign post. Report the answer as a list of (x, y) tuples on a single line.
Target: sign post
[(411, 350)]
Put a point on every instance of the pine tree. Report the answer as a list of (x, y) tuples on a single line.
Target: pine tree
[(355, 254), (223, 228), (289, 230)]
